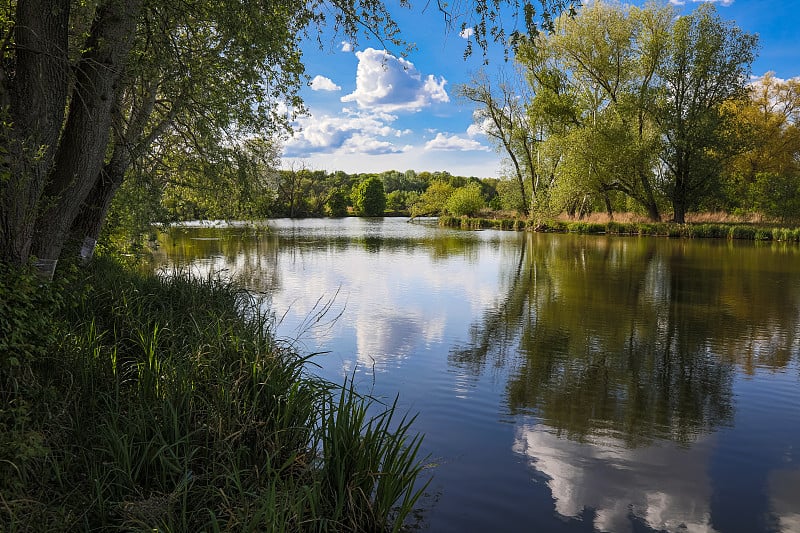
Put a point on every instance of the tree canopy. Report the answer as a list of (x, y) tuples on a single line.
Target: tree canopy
[(626, 106), (94, 91)]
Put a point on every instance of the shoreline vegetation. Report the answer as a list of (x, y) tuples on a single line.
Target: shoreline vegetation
[(132, 401), (753, 231)]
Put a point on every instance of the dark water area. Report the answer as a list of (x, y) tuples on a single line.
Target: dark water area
[(563, 382)]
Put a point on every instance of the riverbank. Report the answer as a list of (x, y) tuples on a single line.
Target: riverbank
[(727, 230), (131, 401)]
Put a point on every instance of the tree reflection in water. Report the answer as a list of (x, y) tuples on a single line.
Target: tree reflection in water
[(628, 348)]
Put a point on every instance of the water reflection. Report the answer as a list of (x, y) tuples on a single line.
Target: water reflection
[(646, 384), (783, 490), (637, 337), (624, 352), (665, 486), (314, 270)]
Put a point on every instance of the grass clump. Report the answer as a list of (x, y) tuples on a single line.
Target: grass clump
[(139, 402)]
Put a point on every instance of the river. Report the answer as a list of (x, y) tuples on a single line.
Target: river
[(563, 382)]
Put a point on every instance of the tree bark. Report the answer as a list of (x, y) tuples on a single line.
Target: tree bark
[(89, 222), (130, 143), (82, 150), (679, 199), (607, 201), (34, 90)]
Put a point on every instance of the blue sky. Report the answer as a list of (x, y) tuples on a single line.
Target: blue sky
[(371, 110)]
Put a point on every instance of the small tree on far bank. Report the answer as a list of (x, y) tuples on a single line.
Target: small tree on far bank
[(465, 201), (369, 198), (432, 202), (336, 206)]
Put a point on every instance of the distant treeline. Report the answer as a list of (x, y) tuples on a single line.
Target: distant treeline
[(318, 193)]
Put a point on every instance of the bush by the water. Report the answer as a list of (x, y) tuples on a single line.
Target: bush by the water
[(145, 403)]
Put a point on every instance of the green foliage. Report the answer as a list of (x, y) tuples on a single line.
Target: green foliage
[(165, 403), (777, 196), (585, 227), (743, 232), (401, 201), (336, 206), (228, 183), (29, 331), (465, 201), (707, 66), (510, 197), (357, 449), (616, 89), (433, 200), (786, 234), (369, 198), (621, 228), (472, 223)]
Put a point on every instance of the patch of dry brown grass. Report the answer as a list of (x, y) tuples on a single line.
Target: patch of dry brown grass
[(603, 218), (721, 217), (706, 217)]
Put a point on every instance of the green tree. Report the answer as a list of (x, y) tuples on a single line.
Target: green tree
[(369, 197), (86, 89), (502, 116), (707, 65), (465, 201), (433, 200), (400, 201), (594, 82), (232, 183), (336, 205)]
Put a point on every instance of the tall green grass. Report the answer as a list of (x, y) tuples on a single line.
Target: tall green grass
[(165, 404)]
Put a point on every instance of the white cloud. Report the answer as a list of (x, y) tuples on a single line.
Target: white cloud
[(321, 83), (474, 130), (364, 144), (388, 83), (466, 33), (351, 132), (480, 124), (446, 142), (347, 46)]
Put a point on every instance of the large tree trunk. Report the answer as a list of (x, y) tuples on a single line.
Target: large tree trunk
[(34, 90), (89, 222), (130, 143), (649, 197), (82, 150), (609, 209), (679, 200)]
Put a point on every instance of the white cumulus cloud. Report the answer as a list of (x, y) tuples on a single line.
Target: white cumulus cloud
[(347, 46), (445, 142), (321, 83), (474, 130), (388, 83), (466, 33), (350, 132)]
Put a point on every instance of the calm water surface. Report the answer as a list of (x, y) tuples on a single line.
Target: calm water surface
[(563, 382)]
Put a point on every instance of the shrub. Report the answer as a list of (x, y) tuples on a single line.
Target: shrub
[(369, 197), (586, 227), (743, 232), (465, 201), (336, 206), (433, 200)]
